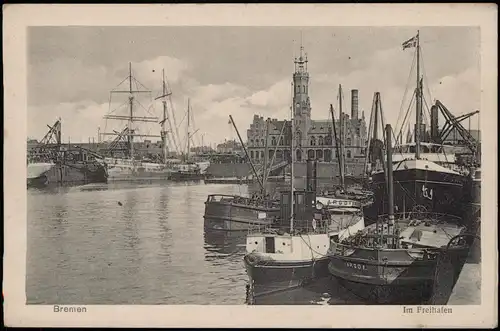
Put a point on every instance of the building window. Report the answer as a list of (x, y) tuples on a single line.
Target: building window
[(328, 140), (261, 154), (271, 154), (310, 154), (319, 154), (298, 155), (348, 154), (273, 141), (262, 142), (313, 141), (251, 154), (328, 155), (298, 136), (251, 142), (357, 131), (349, 141), (281, 141), (257, 155), (320, 141)]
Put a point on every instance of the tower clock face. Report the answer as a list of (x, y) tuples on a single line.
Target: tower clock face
[(297, 105)]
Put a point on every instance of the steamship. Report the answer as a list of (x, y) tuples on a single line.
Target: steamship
[(426, 179), (395, 260)]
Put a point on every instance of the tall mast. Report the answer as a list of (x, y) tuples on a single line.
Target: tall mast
[(335, 138), (342, 164), (131, 118), (188, 138), (292, 136), (164, 120), (418, 103), (246, 153), (128, 133)]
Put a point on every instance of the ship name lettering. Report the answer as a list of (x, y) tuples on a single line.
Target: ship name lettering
[(357, 266)]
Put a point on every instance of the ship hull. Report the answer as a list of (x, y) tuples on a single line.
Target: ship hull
[(417, 189), (66, 174), (383, 276), (228, 216), (137, 175), (184, 177), (269, 277), (389, 276)]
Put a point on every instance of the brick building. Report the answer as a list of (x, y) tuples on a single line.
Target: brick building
[(313, 138)]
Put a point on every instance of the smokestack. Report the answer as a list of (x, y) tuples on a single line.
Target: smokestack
[(434, 124), (354, 104)]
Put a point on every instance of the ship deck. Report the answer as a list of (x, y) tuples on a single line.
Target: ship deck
[(430, 230)]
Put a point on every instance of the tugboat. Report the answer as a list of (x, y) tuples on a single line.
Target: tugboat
[(293, 252), (395, 259)]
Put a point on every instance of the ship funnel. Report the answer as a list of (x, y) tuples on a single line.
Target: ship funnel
[(354, 104)]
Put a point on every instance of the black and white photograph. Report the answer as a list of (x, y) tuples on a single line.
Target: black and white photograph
[(255, 165)]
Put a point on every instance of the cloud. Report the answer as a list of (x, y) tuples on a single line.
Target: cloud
[(276, 96), (70, 80), (246, 81)]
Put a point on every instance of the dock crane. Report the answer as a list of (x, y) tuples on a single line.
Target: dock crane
[(454, 123)]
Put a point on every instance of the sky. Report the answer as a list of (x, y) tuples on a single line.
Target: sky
[(239, 71)]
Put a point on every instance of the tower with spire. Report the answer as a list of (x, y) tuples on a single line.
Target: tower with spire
[(302, 106), (301, 102), (312, 139)]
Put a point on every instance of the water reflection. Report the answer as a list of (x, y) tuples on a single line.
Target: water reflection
[(165, 231), (129, 218), (224, 244)]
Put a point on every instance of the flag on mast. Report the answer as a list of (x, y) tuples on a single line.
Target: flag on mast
[(412, 42)]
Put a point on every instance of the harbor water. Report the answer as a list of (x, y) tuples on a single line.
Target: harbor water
[(141, 243)]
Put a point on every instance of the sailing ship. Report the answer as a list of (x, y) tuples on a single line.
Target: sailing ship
[(189, 170), (235, 212), (422, 182), (293, 251), (395, 259), (51, 162), (121, 158)]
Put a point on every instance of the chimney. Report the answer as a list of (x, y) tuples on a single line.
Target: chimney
[(354, 104)]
